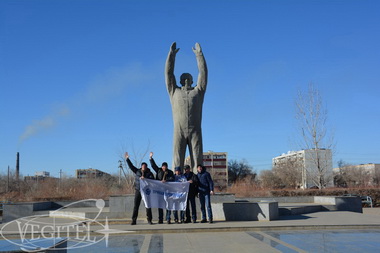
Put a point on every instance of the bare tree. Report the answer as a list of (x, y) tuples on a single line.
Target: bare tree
[(8, 182), (376, 177), (290, 173), (354, 176), (137, 155), (340, 175), (315, 134), (269, 180), (238, 170)]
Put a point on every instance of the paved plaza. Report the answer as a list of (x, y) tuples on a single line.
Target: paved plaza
[(314, 232), (249, 241)]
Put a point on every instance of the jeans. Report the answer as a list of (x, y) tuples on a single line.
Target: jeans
[(205, 200), (168, 214), (181, 213), (191, 201), (137, 205), (160, 214)]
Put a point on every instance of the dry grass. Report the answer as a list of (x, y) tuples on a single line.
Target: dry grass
[(74, 189), (247, 188), (252, 189), (68, 189)]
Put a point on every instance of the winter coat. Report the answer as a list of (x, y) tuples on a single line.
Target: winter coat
[(193, 188), (167, 175), (139, 173), (205, 183)]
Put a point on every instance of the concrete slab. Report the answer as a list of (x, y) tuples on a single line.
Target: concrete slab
[(246, 211), (342, 203), (312, 232), (371, 211), (319, 220)]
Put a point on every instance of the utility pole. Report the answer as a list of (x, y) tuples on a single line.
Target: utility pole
[(8, 180), (120, 168), (60, 177), (17, 167)]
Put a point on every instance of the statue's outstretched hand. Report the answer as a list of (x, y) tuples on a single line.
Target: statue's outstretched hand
[(173, 48), (197, 49)]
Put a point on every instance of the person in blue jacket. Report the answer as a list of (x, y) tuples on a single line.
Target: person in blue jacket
[(205, 189)]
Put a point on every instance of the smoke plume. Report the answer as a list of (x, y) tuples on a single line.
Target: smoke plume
[(100, 90)]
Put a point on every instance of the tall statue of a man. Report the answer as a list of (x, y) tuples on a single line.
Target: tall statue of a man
[(187, 102)]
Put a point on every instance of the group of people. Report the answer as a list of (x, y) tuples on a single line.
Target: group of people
[(201, 185)]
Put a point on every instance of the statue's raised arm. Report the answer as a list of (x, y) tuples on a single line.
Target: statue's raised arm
[(169, 69), (202, 67)]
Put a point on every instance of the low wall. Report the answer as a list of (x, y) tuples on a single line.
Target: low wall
[(224, 207), (342, 203), (16, 210), (13, 211), (298, 199), (245, 211), (88, 203)]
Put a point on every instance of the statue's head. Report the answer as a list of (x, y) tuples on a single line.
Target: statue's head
[(186, 80)]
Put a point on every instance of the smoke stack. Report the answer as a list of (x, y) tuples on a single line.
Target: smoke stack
[(17, 166)]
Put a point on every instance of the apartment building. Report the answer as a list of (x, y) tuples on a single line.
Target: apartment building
[(313, 164)]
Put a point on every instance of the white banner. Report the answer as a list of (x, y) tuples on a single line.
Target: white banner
[(168, 195)]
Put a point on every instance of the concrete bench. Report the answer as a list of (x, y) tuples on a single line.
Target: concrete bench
[(245, 211), (365, 199), (16, 210), (342, 203)]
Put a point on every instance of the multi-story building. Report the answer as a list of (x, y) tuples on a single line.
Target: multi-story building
[(39, 176), (315, 166), (216, 164), (42, 174), (368, 174), (90, 173), (369, 167)]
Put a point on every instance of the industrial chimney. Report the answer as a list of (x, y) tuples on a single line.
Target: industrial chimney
[(17, 166)]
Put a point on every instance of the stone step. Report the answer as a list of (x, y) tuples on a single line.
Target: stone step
[(298, 210), (86, 213)]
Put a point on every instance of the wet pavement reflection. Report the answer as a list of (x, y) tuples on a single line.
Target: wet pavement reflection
[(349, 240), (116, 243), (321, 240)]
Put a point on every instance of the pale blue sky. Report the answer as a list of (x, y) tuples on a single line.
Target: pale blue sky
[(82, 79)]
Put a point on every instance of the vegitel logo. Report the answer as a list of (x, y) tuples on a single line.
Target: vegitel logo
[(43, 232)]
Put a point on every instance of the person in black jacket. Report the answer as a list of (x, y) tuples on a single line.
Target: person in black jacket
[(205, 189), (142, 173), (163, 174), (193, 191)]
